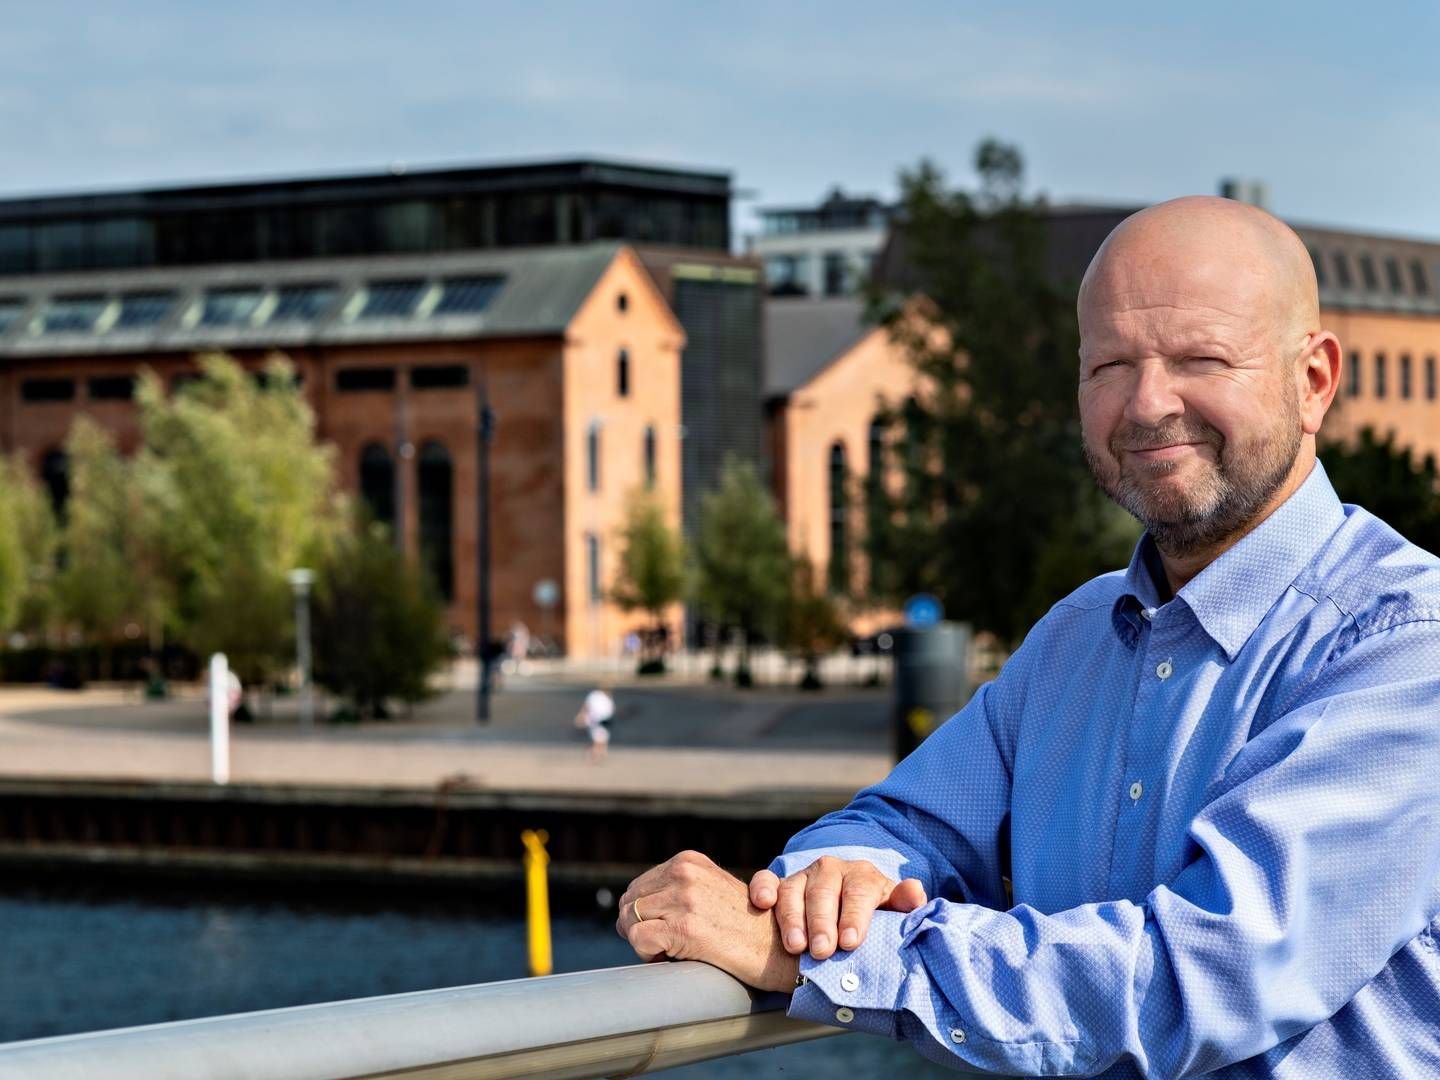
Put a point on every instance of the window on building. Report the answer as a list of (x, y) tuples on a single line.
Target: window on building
[(391, 299), (111, 387), (1392, 274), (1429, 378), (788, 275), (55, 473), (365, 378), (71, 314), (229, 307), (1368, 274), (1319, 267), (440, 377), (1405, 386), (435, 482), (837, 273), (46, 390), (302, 303), (1418, 281), (837, 569), (1352, 384), (1380, 375), (594, 586), (377, 483), (650, 456), (622, 373), (592, 456), (60, 245), (138, 310), (1342, 269), (468, 296)]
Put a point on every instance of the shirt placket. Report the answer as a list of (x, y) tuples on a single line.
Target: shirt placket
[(1142, 783)]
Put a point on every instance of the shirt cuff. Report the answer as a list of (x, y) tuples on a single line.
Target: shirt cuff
[(887, 860), (857, 989)]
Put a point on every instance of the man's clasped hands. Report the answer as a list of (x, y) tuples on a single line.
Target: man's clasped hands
[(688, 908)]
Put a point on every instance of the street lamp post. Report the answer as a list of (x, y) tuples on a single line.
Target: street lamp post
[(485, 432), (300, 582)]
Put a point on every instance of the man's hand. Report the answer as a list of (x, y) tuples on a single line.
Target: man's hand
[(690, 909), (830, 893)]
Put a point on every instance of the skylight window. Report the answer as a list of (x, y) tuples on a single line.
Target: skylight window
[(71, 314), (143, 309), (391, 299), (301, 303), (468, 296), (229, 307), (10, 310)]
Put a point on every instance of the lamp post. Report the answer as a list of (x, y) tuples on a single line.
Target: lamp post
[(485, 434), (300, 582)]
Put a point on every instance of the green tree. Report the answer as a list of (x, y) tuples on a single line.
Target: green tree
[(27, 548), (378, 626), (102, 538), (994, 510), (811, 623), (1390, 482), (742, 563), (231, 466), (651, 573)]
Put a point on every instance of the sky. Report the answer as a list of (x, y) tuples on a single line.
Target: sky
[(1334, 106)]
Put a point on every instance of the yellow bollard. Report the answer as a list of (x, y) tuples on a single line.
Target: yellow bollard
[(537, 893)]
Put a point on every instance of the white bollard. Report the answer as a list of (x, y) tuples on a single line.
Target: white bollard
[(219, 719)]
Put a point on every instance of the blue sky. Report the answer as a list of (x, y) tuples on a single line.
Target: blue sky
[(1334, 105)]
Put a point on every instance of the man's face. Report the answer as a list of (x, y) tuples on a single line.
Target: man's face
[(1189, 405)]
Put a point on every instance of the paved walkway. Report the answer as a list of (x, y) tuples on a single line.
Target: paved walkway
[(668, 740)]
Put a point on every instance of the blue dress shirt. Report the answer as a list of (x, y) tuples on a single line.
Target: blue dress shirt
[(1220, 816)]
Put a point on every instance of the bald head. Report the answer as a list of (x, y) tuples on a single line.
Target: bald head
[(1243, 259)]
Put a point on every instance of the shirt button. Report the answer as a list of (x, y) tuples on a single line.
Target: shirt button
[(1136, 790), (956, 1035), (850, 981), (844, 1015), (1164, 669)]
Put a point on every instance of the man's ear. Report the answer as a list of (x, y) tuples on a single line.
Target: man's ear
[(1319, 378)]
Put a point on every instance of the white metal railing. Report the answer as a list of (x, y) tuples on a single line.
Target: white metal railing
[(616, 1022)]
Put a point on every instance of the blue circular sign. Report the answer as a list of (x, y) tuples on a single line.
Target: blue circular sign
[(922, 609)]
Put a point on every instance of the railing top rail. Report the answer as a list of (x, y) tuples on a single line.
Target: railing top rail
[(614, 1022)]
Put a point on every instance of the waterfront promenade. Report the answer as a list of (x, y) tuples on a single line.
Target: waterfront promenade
[(674, 737)]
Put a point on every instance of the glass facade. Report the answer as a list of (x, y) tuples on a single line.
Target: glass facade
[(415, 213)]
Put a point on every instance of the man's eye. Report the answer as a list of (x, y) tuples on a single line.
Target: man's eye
[(1205, 360)]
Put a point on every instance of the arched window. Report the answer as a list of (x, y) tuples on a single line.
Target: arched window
[(1352, 388), (622, 373), (592, 456), (1380, 375), (437, 516), (55, 471), (1429, 378), (650, 456), (377, 482), (1405, 374), (836, 571)]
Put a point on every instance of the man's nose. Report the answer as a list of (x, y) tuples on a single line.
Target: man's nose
[(1153, 395)]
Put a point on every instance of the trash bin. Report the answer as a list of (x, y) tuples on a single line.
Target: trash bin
[(931, 680)]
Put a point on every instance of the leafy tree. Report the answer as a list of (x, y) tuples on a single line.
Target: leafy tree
[(994, 509), (27, 547), (811, 623), (1388, 481), (651, 574), (378, 626), (742, 564), (231, 466)]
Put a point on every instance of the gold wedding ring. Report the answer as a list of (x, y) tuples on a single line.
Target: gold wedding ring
[(635, 907)]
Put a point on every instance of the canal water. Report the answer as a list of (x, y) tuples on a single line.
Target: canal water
[(80, 958)]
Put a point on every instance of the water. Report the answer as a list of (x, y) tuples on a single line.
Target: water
[(81, 959)]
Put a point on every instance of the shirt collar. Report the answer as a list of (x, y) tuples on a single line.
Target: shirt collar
[(1232, 595)]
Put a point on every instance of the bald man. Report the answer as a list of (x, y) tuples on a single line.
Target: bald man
[(1193, 828)]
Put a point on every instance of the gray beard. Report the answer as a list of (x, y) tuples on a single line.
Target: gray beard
[(1242, 484)]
